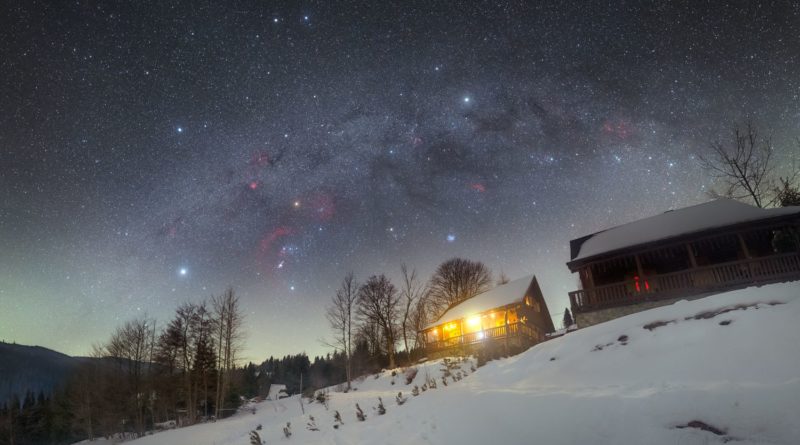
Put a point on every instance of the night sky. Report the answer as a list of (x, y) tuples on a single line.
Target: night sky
[(157, 152)]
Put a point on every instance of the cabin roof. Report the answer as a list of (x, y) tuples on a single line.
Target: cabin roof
[(502, 295), (673, 223)]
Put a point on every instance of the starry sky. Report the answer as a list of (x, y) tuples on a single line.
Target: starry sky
[(153, 153)]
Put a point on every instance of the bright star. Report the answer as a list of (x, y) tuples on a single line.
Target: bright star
[(180, 129), (466, 100), (450, 237), (183, 271), (291, 287)]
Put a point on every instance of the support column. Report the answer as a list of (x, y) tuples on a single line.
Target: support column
[(743, 245), (640, 271), (692, 259)]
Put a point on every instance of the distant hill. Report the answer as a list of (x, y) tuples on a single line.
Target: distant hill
[(32, 368)]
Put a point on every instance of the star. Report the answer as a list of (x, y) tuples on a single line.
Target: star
[(451, 237), (179, 129), (183, 271), (467, 99)]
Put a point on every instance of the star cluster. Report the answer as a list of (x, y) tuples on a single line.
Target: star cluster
[(158, 153)]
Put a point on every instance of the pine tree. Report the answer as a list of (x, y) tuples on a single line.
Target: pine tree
[(568, 319), (360, 414)]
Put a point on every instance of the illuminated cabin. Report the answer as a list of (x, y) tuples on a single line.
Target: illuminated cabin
[(514, 314), (691, 252)]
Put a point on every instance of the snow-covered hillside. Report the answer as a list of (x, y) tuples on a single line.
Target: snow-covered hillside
[(640, 379)]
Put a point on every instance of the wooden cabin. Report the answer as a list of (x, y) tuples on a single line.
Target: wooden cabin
[(513, 314), (687, 253)]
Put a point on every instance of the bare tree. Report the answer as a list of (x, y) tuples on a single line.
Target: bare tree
[(502, 279), (340, 316), (228, 325), (130, 347), (743, 166), (419, 317), (411, 292), (456, 280), (787, 194), (378, 303)]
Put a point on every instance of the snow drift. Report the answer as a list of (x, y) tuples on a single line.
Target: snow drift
[(721, 369)]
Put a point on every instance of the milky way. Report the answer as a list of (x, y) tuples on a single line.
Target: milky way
[(157, 153)]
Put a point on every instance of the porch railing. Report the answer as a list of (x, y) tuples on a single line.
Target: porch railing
[(497, 333), (716, 277)]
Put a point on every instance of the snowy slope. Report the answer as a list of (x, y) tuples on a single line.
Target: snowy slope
[(591, 386)]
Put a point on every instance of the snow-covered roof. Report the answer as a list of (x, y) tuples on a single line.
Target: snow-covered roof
[(710, 215), (508, 293)]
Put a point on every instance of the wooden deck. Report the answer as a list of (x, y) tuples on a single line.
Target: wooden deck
[(714, 278), (515, 331)]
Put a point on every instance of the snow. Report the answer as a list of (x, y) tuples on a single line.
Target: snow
[(718, 213), (590, 386), (276, 391), (511, 292)]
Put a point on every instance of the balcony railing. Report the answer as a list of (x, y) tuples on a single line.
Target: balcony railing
[(754, 271), (515, 330)]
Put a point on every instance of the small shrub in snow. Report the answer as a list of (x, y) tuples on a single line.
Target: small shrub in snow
[(255, 438), (472, 368), (258, 428), (652, 326), (360, 414), (400, 399), (444, 380), (287, 430), (337, 420), (312, 424), (411, 374), (424, 387), (432, 384), (394, 373), (415, 391), (381, 408)]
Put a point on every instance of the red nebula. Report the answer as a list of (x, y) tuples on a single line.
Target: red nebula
[(478, 187), (260, 159), (621, 129), (253, 185), (266, 242)]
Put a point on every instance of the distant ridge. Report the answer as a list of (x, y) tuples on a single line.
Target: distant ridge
[(32, 368)]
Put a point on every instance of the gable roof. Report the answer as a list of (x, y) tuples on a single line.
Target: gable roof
[(673, 223), (511, 292)]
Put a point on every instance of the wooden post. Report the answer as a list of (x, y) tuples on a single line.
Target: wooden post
[(302, 408), (640, 271), (507, 332), (743, 245), (692, 259)]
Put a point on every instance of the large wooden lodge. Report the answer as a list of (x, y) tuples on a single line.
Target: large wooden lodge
[(512, 314), (692, 252)]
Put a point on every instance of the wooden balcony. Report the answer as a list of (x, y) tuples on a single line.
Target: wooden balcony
[(699, 280), (514, 331)]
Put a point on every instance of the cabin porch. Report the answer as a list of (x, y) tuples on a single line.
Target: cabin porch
[(691, 267)]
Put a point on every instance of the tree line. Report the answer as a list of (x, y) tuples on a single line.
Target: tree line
[(140, 379)]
